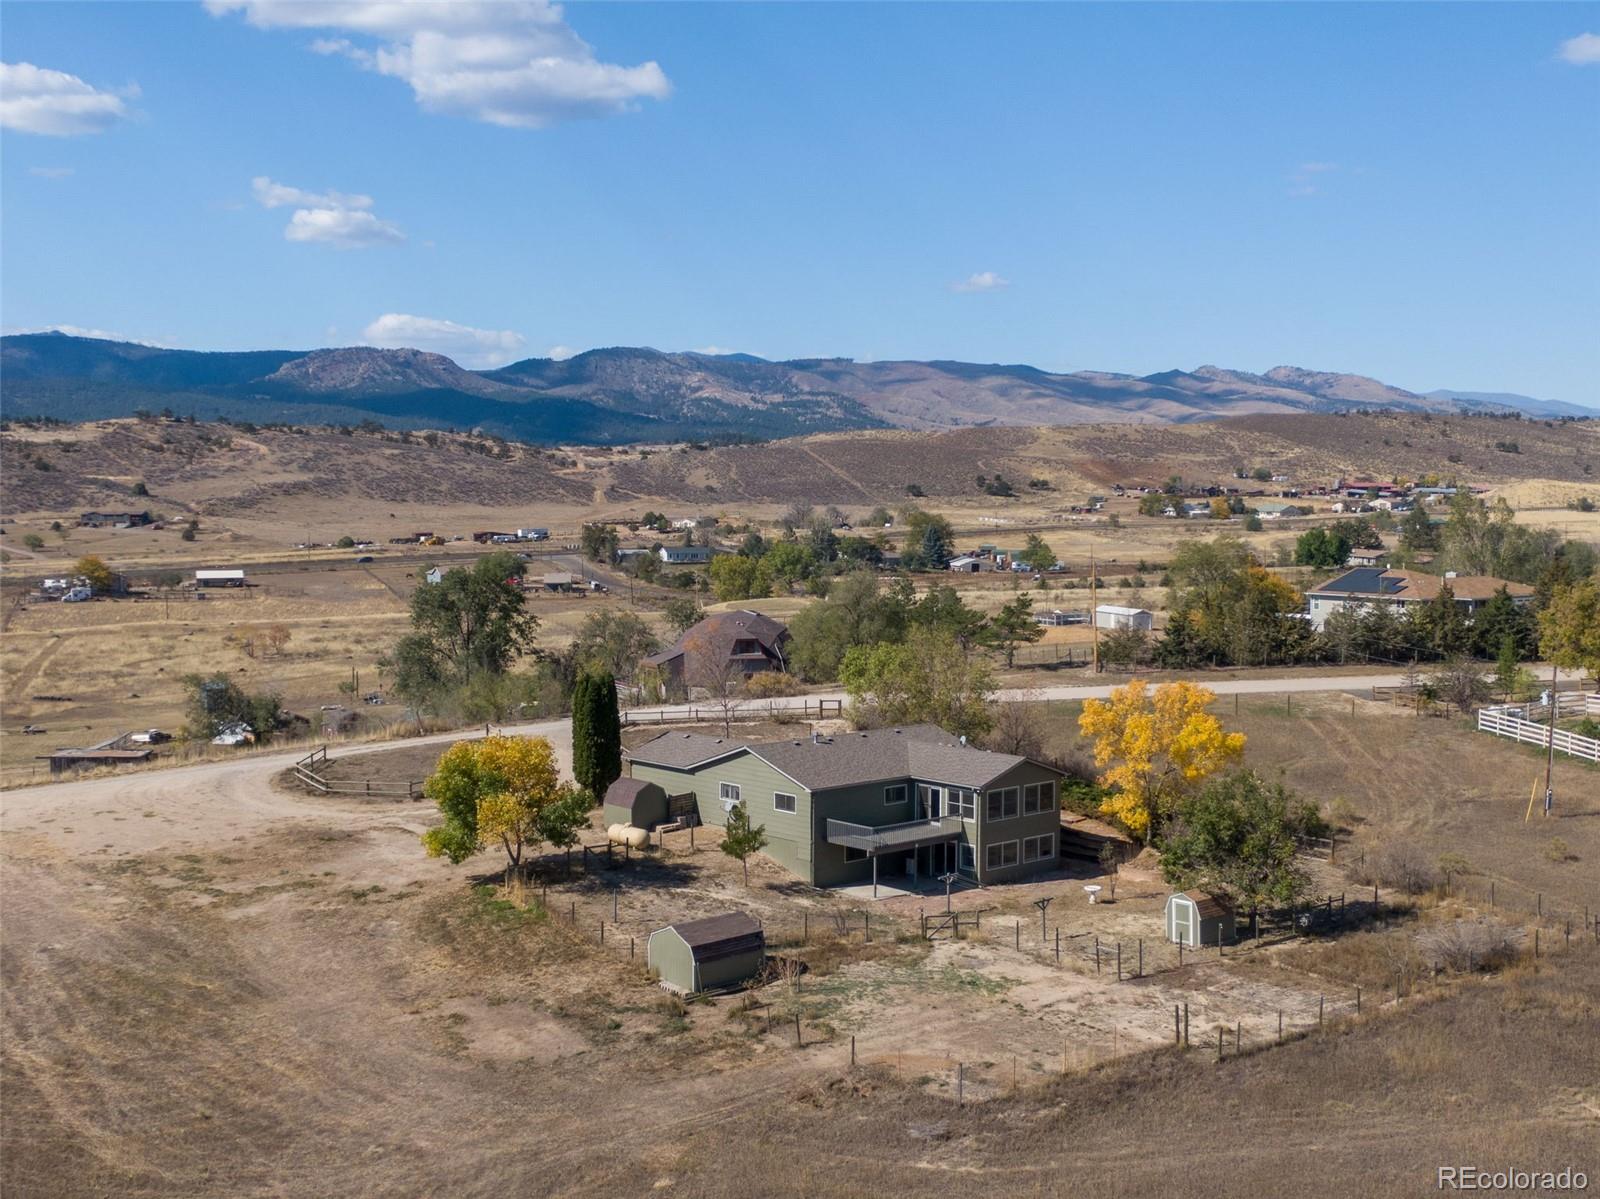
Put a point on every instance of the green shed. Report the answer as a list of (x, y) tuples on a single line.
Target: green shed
[(635, 801), (1196, 918), (708, 954)]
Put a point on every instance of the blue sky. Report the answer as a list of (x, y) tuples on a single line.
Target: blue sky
[(1410, 191)]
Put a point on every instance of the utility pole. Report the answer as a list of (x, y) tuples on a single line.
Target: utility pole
[(1094, 614), (1550, 758)]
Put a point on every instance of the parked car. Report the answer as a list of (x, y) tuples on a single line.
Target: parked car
[(364, 558), (150, 737), (77, 595), (32, 729)]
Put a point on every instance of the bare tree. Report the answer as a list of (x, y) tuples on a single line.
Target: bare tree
[(1019, 726), (723, 682)]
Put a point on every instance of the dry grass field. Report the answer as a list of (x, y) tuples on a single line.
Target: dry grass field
[(211, 989)]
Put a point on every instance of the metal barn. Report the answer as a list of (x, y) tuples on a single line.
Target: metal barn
[(708, 954), (1196, 918)]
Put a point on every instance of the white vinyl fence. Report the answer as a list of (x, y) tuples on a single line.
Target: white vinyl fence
[(1530, 724)]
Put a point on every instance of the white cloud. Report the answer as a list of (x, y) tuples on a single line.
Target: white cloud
[(715, 351), (507, 62), (333, 218), (468, 346), (1302, 180), (39, 100), (50, 172), (1581, 51), (560, 353), (982, 281)]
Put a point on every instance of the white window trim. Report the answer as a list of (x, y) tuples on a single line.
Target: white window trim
[(962, 802), (990, 850), (728, 800), (889, 790), (1040, 848), (1044, 798), (998, 795), (794, 802), (966, 856)]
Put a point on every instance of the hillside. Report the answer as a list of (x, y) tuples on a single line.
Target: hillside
[(622, 395), (218, 471)]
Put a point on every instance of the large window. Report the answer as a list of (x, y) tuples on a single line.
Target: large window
[(963, 804), (782, 802), (1040, 848), (894, 796), (1002, 803), (967, 856), (1000, 855), (729, 794), (1038, 797), (930, 802)]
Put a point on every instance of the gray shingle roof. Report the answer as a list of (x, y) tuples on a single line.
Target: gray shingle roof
[(624, 792), (714, 937), (921, 751), (682, 750)]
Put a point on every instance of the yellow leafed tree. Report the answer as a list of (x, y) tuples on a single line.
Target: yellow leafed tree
[(1154, 748), (505, 789)]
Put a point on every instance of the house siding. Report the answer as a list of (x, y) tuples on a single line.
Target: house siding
[(1018, 828)]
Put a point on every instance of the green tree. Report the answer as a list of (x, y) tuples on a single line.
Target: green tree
[(1442, 624), (1013, 625), (1569, 627), (346, 543), (735, 577), (1418, 533), (740, 838), (33, 541), (215, 700), (855, 613), (789, 563), (1500, 620), (599, 542), (1511, 678), (682, 613), (1252, 523), (612, 641), (471, 621), (1037, 554), (1236, 837), (933, 551), (942, 608), (596, 733), (929, 678), (1322, 548)]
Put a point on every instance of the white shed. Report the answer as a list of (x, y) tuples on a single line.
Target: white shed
[(1116, 616), (219, 578), (1196, 918)]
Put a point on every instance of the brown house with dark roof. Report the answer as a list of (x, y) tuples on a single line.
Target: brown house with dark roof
[(1371, 585), (738, 643)]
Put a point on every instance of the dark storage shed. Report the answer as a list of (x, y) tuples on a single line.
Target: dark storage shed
[(704, 955), (636, 802)]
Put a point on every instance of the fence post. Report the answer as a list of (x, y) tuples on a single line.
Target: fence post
[(797, 1042), (1320, 1001), (852, 1052), (1097, 955), (1219, 1042), (1141, 958), (960, 1080), (1186, 1024), (1177, 1031), (1058, 947), (1018, 937), (1358, 1001), (1280, 1026), (1119, 961)]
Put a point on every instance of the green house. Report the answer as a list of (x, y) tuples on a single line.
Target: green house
[(707, 955), (910, 803)]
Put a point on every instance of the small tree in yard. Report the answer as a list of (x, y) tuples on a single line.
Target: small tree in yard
[(724, 685), (1110, 861), (1459, 681), (95, 572), (1569, 627), (740, 838), (596, 733), (504, 789), (1012, 626), (683, 612)]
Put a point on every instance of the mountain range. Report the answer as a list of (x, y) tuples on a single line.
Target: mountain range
[(619, 395)]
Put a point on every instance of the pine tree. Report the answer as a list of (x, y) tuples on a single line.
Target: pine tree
[(935, 549), (740, 838)]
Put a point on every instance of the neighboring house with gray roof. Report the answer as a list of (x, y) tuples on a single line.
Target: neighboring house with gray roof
[(911, 802)]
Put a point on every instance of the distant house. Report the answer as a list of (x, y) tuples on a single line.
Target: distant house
[(966, 564), (483, 537), (685, 555), (63, 760), (534, 534), (1277, 509), (435, 574), (219, 578), (912, 802), (1367, 586), (1364, 557), (113, 520), (744, 642), (558, 581), (1116, 616)]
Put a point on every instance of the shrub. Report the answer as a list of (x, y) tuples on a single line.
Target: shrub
[(1403, 867), (771, 683), (1470, 945), (1559, 851)]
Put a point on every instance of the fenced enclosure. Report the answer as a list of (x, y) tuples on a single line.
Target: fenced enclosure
[(734, 712), (1530, 724), (311, 771)]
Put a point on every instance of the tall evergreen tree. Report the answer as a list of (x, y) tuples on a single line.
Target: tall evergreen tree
[(596, 732)]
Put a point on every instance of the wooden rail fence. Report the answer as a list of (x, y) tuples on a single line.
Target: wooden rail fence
[(309, 771)]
